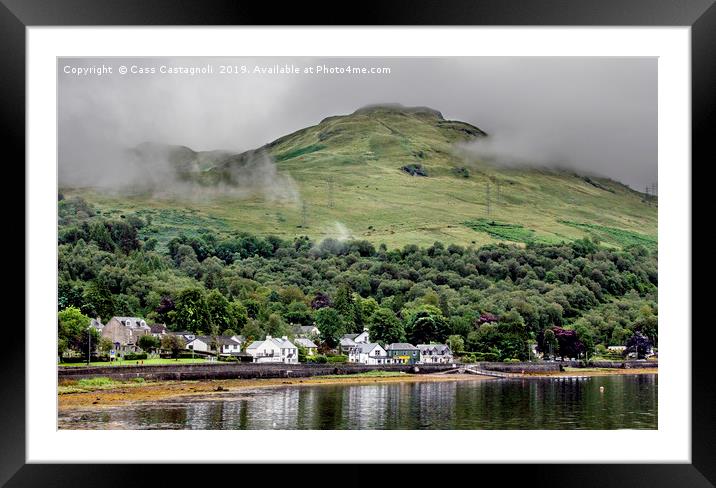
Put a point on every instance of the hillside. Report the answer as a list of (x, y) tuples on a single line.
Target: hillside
[(388, 174)]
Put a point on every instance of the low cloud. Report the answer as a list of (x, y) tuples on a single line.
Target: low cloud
[(178, 172), (520, 151), (340, 232)]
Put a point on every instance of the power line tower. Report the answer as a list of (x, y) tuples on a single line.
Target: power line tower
[(331, 202), (487, 196)]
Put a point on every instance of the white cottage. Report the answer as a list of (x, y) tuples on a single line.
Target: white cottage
[(204, 344), (273, 350), (435, 353), (368, 353), (348, 341), (311, 347)]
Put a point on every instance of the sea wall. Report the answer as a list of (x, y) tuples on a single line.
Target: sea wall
[(631, 364), (229, 371), (540, 367), (251, 370)]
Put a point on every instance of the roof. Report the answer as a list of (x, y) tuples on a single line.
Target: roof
[(439, 348), (345, 342), (400, 346), (221, 340), (96, 324), (284, 343), (305, 342), (255, 345), (365, 347), (227, 341), (134, 322), (349, 336), (158, 328), (277, 341), (307, 328)]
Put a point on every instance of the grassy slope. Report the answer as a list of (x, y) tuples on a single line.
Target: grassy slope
[(362, 154)]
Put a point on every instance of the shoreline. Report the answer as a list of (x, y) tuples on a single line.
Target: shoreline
[(128, 392)]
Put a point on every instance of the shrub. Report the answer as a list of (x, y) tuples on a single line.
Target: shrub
[(134, 357), (479, 356), (338, 358), (468, 358), (318, 358), (415, 170), (228, 359)]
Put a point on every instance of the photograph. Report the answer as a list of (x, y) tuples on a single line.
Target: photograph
[(357, 243)]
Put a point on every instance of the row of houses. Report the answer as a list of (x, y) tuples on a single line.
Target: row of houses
[(125, 332), (361, 350)]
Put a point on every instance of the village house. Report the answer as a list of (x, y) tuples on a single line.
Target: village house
[(124, 332), (308, 344), (158, 330), (435, 353), (349, 341), (226, 345), (273, 350), (185, 335), (368, 353), (97, 324), (307, 331), (403, 353)]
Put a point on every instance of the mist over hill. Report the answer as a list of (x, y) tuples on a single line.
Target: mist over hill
[(386, 173)]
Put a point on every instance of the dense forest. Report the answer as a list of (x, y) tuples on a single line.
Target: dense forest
[(490, 302)]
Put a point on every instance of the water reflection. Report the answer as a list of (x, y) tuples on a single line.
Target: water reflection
[(624, 402)]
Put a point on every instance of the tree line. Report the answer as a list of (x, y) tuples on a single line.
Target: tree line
[(494, 300)]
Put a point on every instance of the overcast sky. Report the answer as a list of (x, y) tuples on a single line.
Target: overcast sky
[(597, 115)]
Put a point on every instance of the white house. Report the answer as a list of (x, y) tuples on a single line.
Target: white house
[(348, 341), (273, 350), (435, 353), (368, 353), (204, 343), (311, 347)]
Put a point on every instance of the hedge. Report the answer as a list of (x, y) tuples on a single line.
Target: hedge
[(339, 358), (132, 356)]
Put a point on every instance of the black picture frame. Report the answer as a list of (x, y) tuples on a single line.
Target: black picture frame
[(700, 15)]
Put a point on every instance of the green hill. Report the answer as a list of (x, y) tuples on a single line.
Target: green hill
[(387, 174)]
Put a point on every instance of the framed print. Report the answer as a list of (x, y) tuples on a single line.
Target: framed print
[(431, 237)]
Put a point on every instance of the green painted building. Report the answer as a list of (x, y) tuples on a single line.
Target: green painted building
[(403, 353)]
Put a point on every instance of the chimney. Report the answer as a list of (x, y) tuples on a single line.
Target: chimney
[(268, 337), (285, 338)]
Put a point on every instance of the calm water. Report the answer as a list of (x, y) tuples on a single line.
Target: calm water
[(628, 402)]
